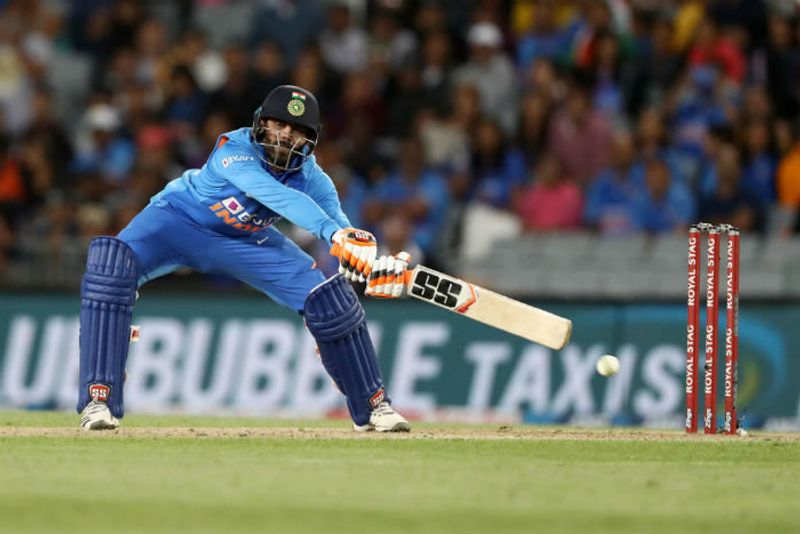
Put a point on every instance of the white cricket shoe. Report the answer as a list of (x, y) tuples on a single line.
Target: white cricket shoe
[(384, 419), (97, 416)]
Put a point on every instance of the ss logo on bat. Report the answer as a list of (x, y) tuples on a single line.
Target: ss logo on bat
[(440, 290)]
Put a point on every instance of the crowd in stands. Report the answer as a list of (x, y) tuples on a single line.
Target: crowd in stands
[(614, 116)]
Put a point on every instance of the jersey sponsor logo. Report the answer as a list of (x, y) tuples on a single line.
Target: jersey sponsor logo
[(235, 159), (232, 213), (233, 205)]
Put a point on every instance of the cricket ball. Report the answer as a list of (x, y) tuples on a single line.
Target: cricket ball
[(607, 365)]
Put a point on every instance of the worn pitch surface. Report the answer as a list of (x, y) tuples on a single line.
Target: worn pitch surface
[(162, 474)]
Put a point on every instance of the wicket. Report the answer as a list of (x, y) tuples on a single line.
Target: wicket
[(714, 234)]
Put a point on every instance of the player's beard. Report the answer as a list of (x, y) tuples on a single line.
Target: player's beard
[(279, 156), (281, 151)]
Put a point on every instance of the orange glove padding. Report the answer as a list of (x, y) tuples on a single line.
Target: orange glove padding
[(356, 250), (389, 276)]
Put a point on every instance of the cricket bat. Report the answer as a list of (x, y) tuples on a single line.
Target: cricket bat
[(488, 307)]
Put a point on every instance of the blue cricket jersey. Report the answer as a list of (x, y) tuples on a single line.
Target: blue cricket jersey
[(236, 194)]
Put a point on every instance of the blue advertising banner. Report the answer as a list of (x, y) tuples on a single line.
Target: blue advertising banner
[(246, 355)]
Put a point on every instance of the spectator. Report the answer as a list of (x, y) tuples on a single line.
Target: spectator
[(155, 145), (492, 73), (46, 130), (185, 102), (696, 111), (343, 44), (756, 104), (611, 195), (407, 96), (390, 41), (651, 143), (664, 206), (715, 140), (595, 18), (139, 103), (744, 21), (579, 137), (436, 69), (534, 122), (14, 190), (269, 67), (657, 69), (498, 169), (541, 78), (430, 17), (783, 67), (106, 152), (360, 98), (758, 174), (688, 16), (398, 235), (552, 202), (152, 45), (729, 204), (445, 143), (310, 72), (125, 19), (417, 192), (788, 183), (122, 71), (712, 48), (206, 64), (238, 96), (610, 77), (292, 24), (544, 38), (196, 152)]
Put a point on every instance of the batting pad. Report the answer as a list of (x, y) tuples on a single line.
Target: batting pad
[(336, 320), (108, 290)]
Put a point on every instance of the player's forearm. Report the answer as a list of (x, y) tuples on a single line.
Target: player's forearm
[(302, 211)]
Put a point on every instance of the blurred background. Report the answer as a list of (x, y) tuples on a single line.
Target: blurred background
[(556, 151)]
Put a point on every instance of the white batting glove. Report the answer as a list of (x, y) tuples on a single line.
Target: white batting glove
[(356, 250), (389, 276)]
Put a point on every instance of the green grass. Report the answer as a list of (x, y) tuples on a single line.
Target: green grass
[(124, 483)]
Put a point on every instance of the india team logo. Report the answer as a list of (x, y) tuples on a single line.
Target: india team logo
[(296, 105)]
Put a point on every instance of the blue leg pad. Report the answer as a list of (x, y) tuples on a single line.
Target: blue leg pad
[(108, 291), (336, 320)]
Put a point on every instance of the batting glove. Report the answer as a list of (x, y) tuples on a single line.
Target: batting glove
[(389, 276), (356, 250)]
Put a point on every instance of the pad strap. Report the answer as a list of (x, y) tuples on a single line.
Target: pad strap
[(108, 291), (336, 320)]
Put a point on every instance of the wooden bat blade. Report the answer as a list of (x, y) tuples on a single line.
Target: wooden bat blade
[(525, 321), (489, 307)]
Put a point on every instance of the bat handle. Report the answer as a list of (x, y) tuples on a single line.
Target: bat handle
[(404, 258)]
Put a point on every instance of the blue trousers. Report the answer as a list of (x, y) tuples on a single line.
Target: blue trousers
[(164, 239)]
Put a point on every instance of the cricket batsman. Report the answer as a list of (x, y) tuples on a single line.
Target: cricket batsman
[(219, 219)]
